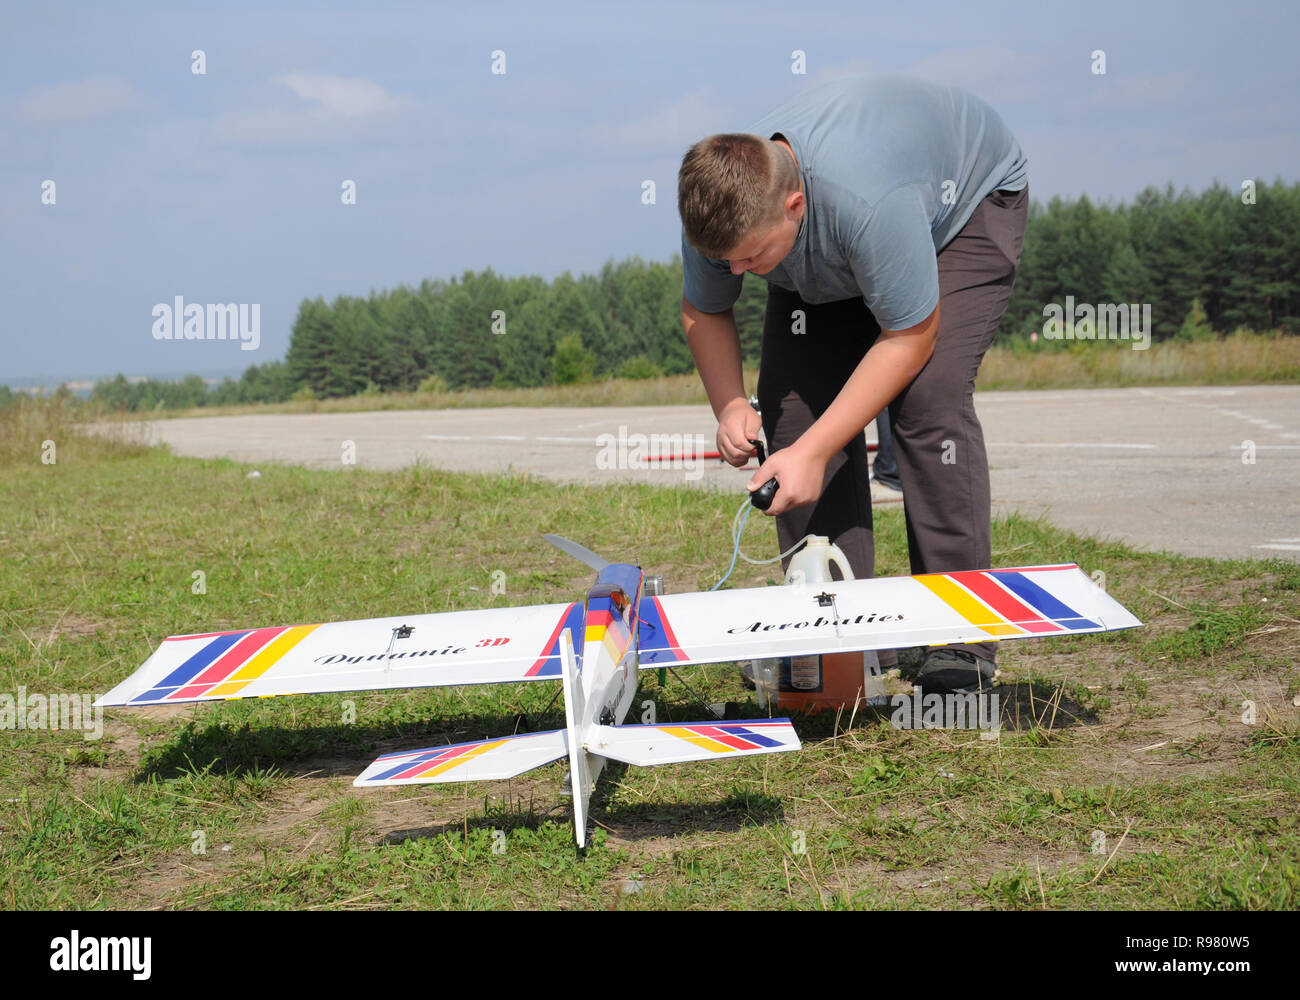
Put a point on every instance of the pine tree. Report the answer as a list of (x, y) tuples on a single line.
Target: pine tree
[(572, 362)]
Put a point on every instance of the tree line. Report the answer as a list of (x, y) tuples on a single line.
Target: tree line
[(1217, 261)]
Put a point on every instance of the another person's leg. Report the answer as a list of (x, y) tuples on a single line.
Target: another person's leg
[(885, 468), (938, 440)]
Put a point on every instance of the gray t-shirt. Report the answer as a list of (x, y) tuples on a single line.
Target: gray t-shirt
[(892, 168)]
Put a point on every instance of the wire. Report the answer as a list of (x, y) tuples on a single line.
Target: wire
[(737, 529), (742, 516)]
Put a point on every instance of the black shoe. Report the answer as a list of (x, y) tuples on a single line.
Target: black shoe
[(955, 671)]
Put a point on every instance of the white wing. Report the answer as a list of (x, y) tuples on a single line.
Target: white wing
[(885, 613), (489, 646), (499, 645)]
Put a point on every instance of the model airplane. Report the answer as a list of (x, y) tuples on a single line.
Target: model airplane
[(595, 648)]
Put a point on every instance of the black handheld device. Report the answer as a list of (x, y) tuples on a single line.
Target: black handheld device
[(762, 497)]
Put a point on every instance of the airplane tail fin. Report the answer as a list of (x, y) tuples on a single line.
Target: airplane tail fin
[(646, 746), (675, 743), (581, 777), (506, 757)]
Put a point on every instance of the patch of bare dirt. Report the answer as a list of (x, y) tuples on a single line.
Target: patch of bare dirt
[(71, 625)]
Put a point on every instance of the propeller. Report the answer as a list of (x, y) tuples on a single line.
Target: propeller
[(579, 552)]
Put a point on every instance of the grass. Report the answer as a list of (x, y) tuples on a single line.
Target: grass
[(1124, 776), (1242, 358), (32, 431)]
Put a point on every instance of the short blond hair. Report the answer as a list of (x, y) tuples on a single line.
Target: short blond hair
[(730, 185)]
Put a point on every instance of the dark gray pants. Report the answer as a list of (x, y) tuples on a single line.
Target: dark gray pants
[(938, 441)]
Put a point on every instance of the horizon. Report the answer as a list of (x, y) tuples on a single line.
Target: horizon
[(225, 177)]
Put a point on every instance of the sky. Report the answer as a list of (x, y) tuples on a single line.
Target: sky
[(227, 186)]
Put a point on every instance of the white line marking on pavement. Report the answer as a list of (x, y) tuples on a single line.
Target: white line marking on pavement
[(474, 437), (568, 440)]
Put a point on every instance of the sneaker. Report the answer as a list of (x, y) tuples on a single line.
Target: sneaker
[(955, 671)]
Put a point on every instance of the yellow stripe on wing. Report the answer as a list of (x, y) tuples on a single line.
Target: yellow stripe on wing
[(264, 660), (974, 611), (459, 759), (697, 738)]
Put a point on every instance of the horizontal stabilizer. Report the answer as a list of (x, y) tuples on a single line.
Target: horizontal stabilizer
[(675, 743), (885, 613), (482, 760)]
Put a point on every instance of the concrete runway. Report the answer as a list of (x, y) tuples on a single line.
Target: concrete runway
[(1209, 471)]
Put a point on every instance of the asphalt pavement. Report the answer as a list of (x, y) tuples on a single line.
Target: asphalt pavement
[(1211, 471)]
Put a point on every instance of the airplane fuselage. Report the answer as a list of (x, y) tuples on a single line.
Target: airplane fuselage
[(609, 651)]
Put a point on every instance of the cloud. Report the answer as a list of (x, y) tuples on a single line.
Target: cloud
[(672, 128), (327, 108), (344, 97), (69, 102)]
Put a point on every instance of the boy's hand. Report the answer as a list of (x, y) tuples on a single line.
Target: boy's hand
[(799, 472), (737, 426)]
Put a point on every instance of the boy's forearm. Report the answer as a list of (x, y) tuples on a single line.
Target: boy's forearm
[(886, 369), (715, 346)]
